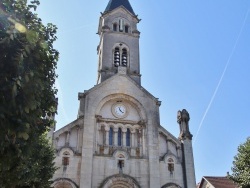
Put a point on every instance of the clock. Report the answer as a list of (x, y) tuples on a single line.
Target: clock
[(119, 110)]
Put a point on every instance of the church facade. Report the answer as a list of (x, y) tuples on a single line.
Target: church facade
[(117, 140)]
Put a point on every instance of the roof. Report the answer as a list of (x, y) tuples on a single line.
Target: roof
[(219, 182), (113, 4)]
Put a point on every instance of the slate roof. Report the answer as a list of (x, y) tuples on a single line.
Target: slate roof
[(219, 182), (113, 4)]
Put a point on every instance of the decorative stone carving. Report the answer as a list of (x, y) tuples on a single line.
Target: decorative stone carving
[(122, 70)]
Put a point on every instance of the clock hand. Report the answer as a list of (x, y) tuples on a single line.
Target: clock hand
[(121, 110)]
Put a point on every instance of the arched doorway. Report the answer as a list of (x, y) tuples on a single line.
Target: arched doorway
[(120, 181), (64, 183), (170, 185)]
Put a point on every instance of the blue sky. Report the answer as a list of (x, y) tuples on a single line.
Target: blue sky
[(194, 54)]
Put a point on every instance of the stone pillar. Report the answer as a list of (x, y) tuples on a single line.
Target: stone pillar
[(143, 146), (187, 149), (132, 138), (106, 136), (78, 139), (139, 138), (124, 131)]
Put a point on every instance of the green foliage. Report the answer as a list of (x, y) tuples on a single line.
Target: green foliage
[(241, 165), (34, 170), (27, 93)]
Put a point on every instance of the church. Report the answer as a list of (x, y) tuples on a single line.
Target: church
[(117, 140)]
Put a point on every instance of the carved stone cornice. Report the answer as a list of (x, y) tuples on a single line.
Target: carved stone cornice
[(81, 95), (122, 121)]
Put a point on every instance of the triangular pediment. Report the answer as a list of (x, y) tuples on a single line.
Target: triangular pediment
[(124, 81), (66, 128)]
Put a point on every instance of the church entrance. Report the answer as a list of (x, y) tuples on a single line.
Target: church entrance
[(120, 181), (121, 185), (171, 185), (64, 183)]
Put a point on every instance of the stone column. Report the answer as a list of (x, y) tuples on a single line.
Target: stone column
[(186, 139), (132, 138), (78, 139), (124, 131), (98, 133), (143, 142), (139, 138), (106, 135)]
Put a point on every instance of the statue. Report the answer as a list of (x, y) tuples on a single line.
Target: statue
[(183, 120)]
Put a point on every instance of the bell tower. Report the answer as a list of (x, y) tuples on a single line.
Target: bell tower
[(119, 41)]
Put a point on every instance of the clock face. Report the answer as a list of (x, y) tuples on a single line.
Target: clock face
[(119, 110)]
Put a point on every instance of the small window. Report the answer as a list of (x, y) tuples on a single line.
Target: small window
[(126, 28), (120, 56), (114, 27), (65, 161), (111, 136), (128, 137), (124, 57), (119, 137), (116, 57)]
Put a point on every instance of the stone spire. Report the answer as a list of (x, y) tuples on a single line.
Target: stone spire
[(113, 4)]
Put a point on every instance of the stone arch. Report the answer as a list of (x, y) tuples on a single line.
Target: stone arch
[(171, 185), (123, 181), (121, 152), (64, 183), (132, 101), (66, 149)]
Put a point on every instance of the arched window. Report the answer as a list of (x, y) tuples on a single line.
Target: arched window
[(120, 56), (111, 136), (115, 27), (65, 159), (119, 137), (124, 57), (126, 28), (170, 165), (128, 137), (117, 57)]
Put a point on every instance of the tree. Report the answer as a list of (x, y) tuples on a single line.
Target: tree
[(36, 168), (241, 165), (27, 93)]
